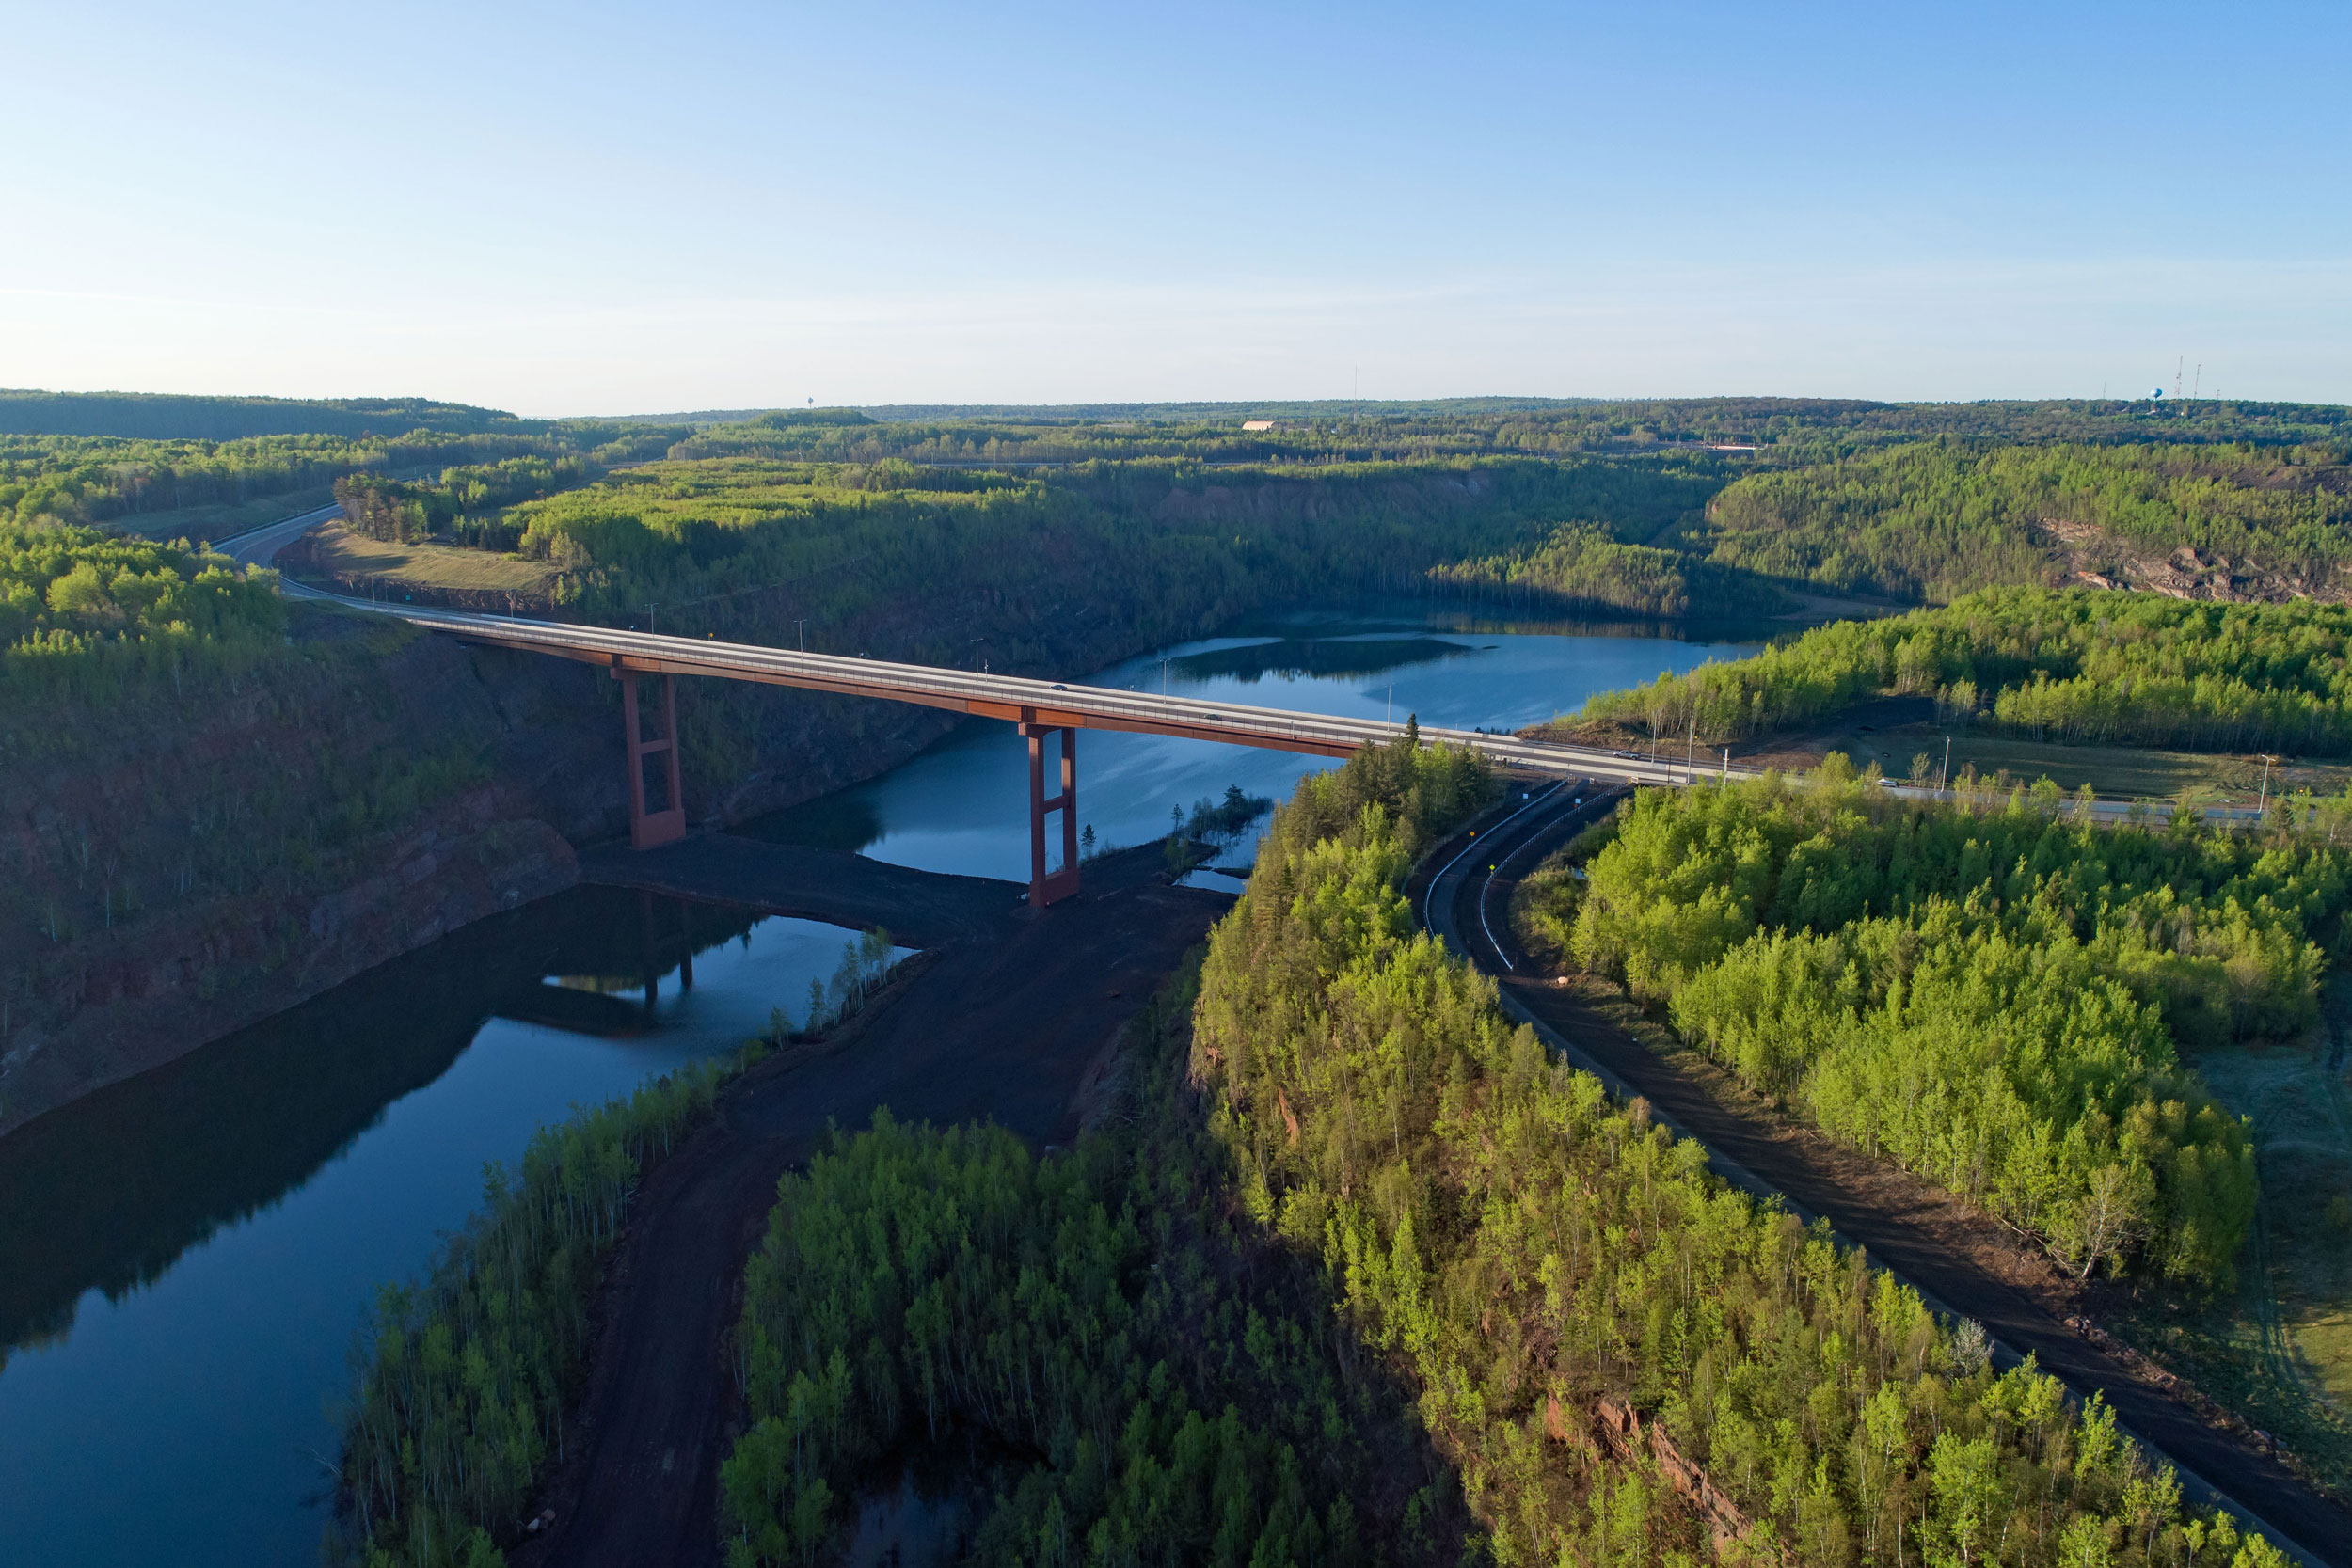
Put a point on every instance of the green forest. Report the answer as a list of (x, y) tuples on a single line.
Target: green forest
[(1582, 566), (1934, 519), (468, 1375), (1170, 1376), (2079, 666), (727, 546), (76, 601), (1548, 1270), (1619, 1359), (1991, 996), (136, 482)]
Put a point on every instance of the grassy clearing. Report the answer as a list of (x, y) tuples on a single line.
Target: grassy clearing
[(2119, 772), (2278, 1350), (338, 552), (220, 521)]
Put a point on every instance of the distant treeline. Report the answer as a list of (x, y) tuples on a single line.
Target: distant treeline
[(165, 416), (1932, 520), (60, 479), (1783, 429), (2078, 666)]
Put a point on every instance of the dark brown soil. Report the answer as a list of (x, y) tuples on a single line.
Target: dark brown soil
[(1002, 1023)]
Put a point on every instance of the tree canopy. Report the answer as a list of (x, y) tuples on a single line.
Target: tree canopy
[(2083, 666)]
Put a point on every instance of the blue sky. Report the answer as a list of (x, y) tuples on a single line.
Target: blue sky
[(584, 208)]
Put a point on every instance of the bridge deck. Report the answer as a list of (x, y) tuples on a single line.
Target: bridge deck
[(1014, 698)]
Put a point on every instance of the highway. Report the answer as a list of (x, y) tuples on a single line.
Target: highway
[(259, 546), (1466, 904), (1021, 700)]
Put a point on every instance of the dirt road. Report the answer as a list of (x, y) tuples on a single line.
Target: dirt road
[(1003, 1023), (1466, 904)]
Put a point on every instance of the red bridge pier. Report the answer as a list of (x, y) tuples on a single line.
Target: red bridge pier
[(1043, 888), (651, 830)]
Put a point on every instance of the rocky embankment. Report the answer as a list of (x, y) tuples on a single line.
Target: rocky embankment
[(175, 868), (2086, 557), (180, 866)]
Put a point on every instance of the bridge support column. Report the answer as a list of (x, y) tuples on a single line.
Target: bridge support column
[(650, 829), (1043, 888)]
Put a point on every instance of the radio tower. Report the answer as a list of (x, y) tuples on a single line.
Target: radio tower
[(2178, 366)]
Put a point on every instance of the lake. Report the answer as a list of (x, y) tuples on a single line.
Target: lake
[(187, 1259)]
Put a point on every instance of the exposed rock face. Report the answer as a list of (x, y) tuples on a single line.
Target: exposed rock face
[(169, 986), (2088, 557), (175, 865), (172, 871)]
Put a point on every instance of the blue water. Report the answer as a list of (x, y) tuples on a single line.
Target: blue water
[(959, 806), (191, 1419), (185, 1260)]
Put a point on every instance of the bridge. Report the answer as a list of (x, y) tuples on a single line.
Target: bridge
[(1041, 710)]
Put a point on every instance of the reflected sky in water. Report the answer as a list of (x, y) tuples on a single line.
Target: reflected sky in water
[(184, 1259), (191, 1253), (959, 806)]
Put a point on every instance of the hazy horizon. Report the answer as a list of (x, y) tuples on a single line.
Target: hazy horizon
[(749, 207), (1101, 408)]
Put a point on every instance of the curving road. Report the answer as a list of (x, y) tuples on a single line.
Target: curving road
[(259, 546), (1466, 902)]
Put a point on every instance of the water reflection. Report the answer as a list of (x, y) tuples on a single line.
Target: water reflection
[(959, 806), (184, 1258), (1317, 659), (105, 1192)]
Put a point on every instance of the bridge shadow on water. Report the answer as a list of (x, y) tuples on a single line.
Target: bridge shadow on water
[(106, 1192)]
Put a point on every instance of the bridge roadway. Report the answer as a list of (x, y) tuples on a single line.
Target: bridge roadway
[(1050, 703), (1041, 704)]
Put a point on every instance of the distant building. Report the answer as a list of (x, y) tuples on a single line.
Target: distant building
[(1257, 424)]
